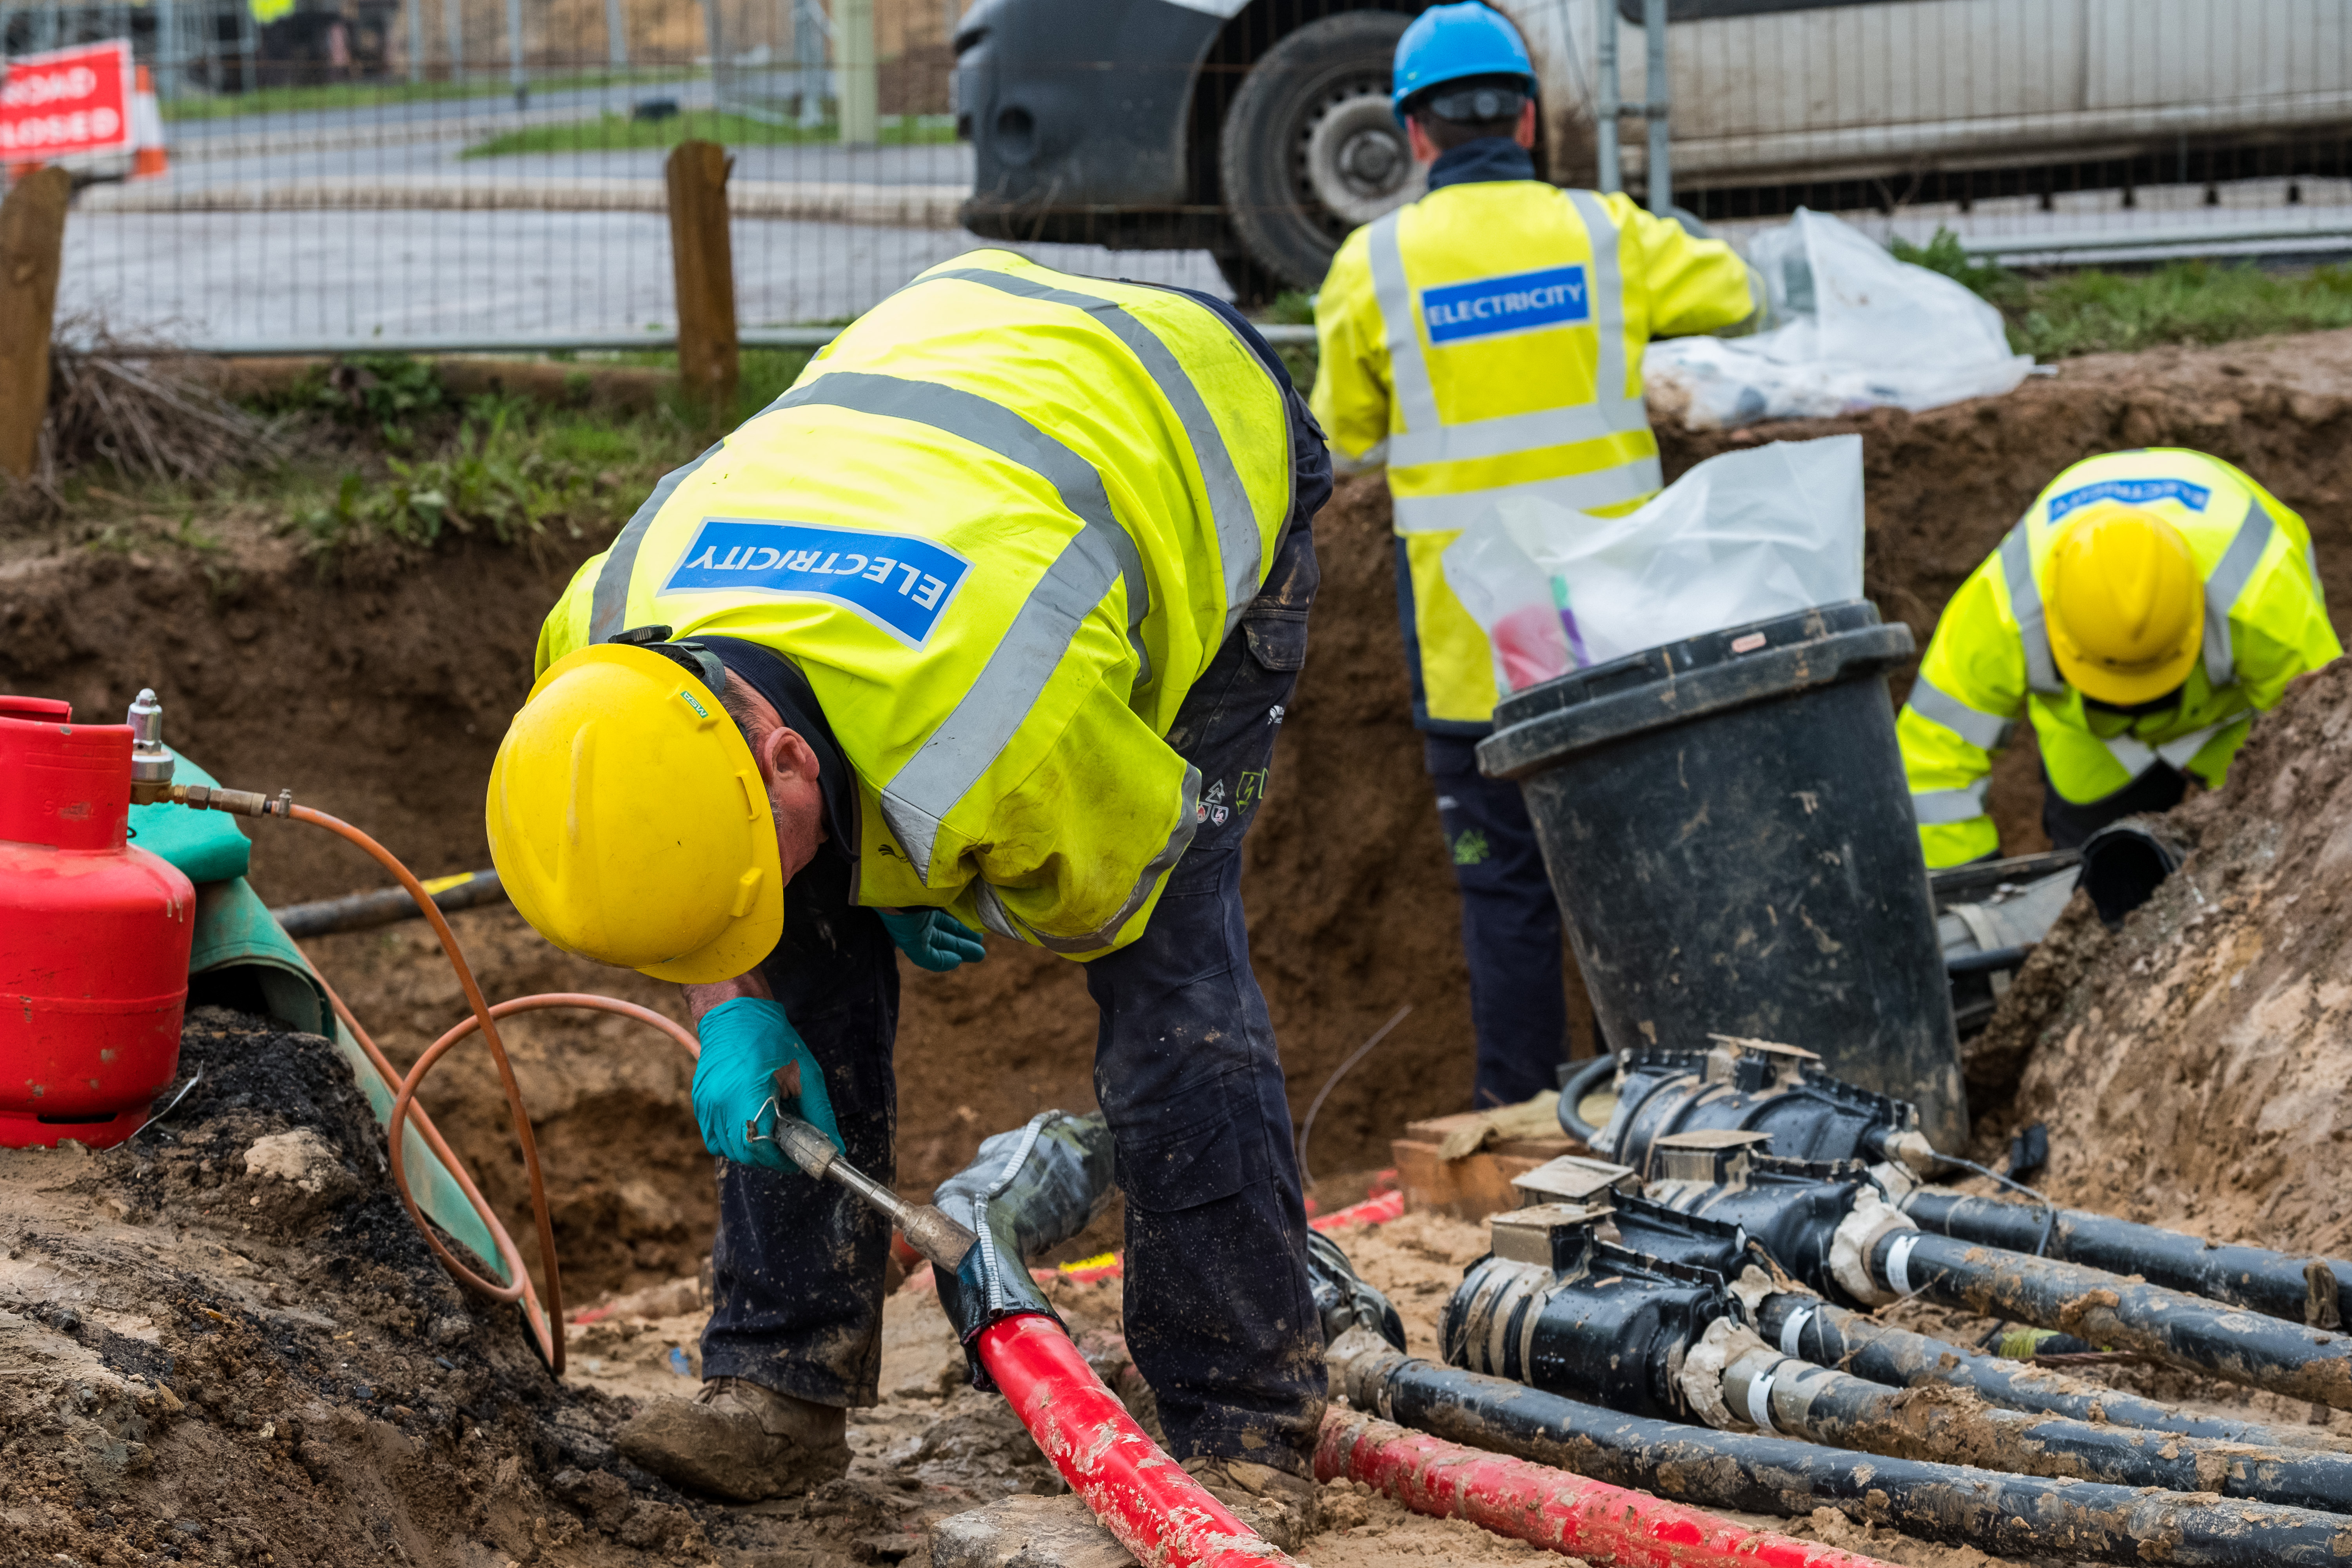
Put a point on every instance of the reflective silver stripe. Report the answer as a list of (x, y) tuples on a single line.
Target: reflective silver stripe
[(1608, 305), (2025, 604), (609, 606), (1009, 436), (1426, 438), (1239, 543), (2229, 579), (951, 761), (1408, 372), (2135, 756), (1510, 434), (1004, 922), (1979, 729), (1578, 492), (1375, 456), (1934, 807)]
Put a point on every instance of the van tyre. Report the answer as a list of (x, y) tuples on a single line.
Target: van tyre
[(1310, 150)]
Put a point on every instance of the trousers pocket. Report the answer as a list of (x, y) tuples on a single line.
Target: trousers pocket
[(1183, 1170), (1278, 640)]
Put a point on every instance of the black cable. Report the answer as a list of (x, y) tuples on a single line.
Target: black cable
[(1306, 1128), (1579, 1084), (2049, 1209)]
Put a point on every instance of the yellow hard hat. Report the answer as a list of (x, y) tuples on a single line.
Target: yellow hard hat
[(2125, 606), (628, 823)]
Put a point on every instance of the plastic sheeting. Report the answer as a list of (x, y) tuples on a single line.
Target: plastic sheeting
[(1862, 331), (1027, 1190), (1749, 536)]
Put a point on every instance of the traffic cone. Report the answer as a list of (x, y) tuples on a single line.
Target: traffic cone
[(149, 157)]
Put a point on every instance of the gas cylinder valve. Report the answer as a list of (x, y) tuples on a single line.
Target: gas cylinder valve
[(150, 759)]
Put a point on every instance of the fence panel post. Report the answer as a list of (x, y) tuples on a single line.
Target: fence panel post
[(32, 233), (860, 72), (702, 257)]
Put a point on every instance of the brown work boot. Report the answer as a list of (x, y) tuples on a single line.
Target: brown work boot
[(1281, 1507), (737, 1440)]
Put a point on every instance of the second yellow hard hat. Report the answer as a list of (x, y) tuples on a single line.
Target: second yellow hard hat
[(2125, 606), (628, 822)]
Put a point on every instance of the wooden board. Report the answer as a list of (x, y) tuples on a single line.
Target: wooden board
[(1474, 1187)]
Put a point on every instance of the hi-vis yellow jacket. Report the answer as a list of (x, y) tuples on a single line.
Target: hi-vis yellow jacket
[(1002, 524), (1486, 341), (2265, 623)]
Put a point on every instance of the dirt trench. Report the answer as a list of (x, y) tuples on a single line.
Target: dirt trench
[(2190, 1066), (377, 688)]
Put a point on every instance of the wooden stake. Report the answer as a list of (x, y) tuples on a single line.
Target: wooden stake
[(32, 232), (703, 260)]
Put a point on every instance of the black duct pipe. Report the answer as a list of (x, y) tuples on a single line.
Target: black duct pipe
[(2011, 1515), (2109, 1309), (362, 911), (2269, 1283), (1815, 1331), (1579, 1083), (1825, 1406)]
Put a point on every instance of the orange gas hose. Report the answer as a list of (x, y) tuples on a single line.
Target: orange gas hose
[(507, 1251), (546, 1319), (546, 1325)]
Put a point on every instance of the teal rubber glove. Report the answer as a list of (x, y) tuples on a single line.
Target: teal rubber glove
[(934, 939), (745, 1043)]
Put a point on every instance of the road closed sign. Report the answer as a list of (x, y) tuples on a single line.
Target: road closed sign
[(67, 101)]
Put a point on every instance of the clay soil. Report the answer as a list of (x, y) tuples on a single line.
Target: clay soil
[(2191, 1066), (2188, 1067), (377, 688)]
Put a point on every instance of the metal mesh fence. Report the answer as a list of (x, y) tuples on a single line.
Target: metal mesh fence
[(417, 176), (489, 171)]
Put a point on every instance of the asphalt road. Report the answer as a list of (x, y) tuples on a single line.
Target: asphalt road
[(363, 277), (315, 276)]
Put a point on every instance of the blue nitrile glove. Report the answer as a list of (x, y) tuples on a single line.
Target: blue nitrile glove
[(745, 1043), (934, 939)]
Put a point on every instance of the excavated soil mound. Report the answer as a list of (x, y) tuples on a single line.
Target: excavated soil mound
[(2191, 1067), (377, 688)]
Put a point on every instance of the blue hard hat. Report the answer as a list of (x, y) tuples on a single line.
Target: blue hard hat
[(1447, 43)]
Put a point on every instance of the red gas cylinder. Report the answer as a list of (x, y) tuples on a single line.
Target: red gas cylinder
[(94, 936)]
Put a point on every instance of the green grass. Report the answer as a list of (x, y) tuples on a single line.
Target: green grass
[(502, 469), (369, 95), (616, 132), (2060, 315)]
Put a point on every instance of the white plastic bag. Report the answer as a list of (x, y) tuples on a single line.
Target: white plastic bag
[(1744, 537), (1863, 330)]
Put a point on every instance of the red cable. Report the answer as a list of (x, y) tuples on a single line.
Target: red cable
[(1555, 1508), (1141, 1496)]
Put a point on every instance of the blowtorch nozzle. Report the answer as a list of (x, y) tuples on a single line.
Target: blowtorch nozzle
[(927, 1230)]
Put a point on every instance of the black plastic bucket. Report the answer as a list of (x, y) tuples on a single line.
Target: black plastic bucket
[(1727, 825)]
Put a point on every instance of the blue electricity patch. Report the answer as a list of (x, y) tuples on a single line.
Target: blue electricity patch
[(902, 583), (1554, 297), (2131, 492)]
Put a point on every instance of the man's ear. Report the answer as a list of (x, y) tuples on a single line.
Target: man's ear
[(1524, 134), (1424, 151), (783, 755)]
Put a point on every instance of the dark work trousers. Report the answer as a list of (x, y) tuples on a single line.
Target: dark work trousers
[(1510, 926), (796, 1271), (2160, 788), (1219, 1315)]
